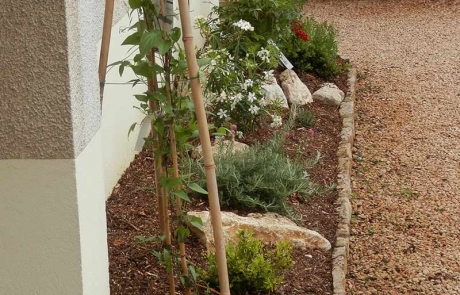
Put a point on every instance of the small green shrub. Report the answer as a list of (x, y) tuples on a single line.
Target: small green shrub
[(319, 54), (260, 177), (305, 118), (251, 270)]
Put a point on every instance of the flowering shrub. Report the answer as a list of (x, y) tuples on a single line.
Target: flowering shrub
[(313, 48), (271, 19), (237, 70)]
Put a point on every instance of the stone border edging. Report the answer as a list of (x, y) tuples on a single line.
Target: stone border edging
[(340, 250)]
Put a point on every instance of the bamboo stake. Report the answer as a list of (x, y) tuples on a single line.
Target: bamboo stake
[(205, 140), (105, 45), (172, 284)]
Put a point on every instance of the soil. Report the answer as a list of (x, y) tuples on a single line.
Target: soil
[(131, 212)]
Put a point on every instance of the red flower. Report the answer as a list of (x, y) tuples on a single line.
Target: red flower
[(297, 28)]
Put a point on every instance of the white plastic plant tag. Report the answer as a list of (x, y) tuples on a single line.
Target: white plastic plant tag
[(143, 133), (285, 61), (283, 58)]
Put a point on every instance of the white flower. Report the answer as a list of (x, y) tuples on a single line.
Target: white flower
[(198, 20), (263, 102), (244, 25), (248, 83), (222, 97), (251, 97), (253, 109), (237, 98), (268, 76), (264, 55), (239, 134), (222, 114), (277, 121), (213, 63)]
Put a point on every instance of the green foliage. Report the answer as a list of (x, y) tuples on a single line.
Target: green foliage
[(250, 268), (271, 19), (305, 118), (260, 177), (319, 54)]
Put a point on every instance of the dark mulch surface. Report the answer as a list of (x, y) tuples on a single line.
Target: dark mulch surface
[(132, 212)]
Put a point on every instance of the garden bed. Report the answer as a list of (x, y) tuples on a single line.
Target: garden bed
[(131, 212)]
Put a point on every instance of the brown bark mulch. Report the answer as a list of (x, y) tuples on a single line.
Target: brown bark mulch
[(131, 212)]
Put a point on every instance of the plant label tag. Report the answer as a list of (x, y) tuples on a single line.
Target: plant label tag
[(285, 61), (283, 58), (143, 133)]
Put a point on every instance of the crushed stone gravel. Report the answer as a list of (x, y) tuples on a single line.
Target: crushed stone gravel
[(406, 182)]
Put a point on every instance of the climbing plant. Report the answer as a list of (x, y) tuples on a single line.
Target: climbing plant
[(158, 61)]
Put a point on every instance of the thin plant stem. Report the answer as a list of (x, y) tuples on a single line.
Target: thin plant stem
[(173, 145)]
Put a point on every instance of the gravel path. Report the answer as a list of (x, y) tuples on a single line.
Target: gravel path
[(406, 226)]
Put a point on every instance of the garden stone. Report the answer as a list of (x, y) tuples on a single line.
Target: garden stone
[(329, 94), (235, 146), (216, 148), (274, 94), (269, 228), (295, 90)]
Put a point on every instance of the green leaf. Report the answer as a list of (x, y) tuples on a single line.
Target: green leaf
[(142, 69), (134, 81), (175, 34), (157, 95), (131, 129), (164, 46), (179, 68), (137, 57), (133, 39), (122, 66), (170, 182), (158, 69), (195, 187), (196, 222), (135, 4), (182, 195), (115, 63), (169, 110), (142, 98), (203, 62), (149, 40), (222, 130), (192, 272)]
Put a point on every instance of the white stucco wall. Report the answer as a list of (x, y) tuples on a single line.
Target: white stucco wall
[(89, 174), (118, 112)]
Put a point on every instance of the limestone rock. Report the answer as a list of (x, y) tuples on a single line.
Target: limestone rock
[(275, 95), (269, 228), (236, 146), (295, 90), (228, 144), (329, 94)]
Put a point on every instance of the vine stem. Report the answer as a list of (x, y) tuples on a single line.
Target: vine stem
[(159, 170)]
